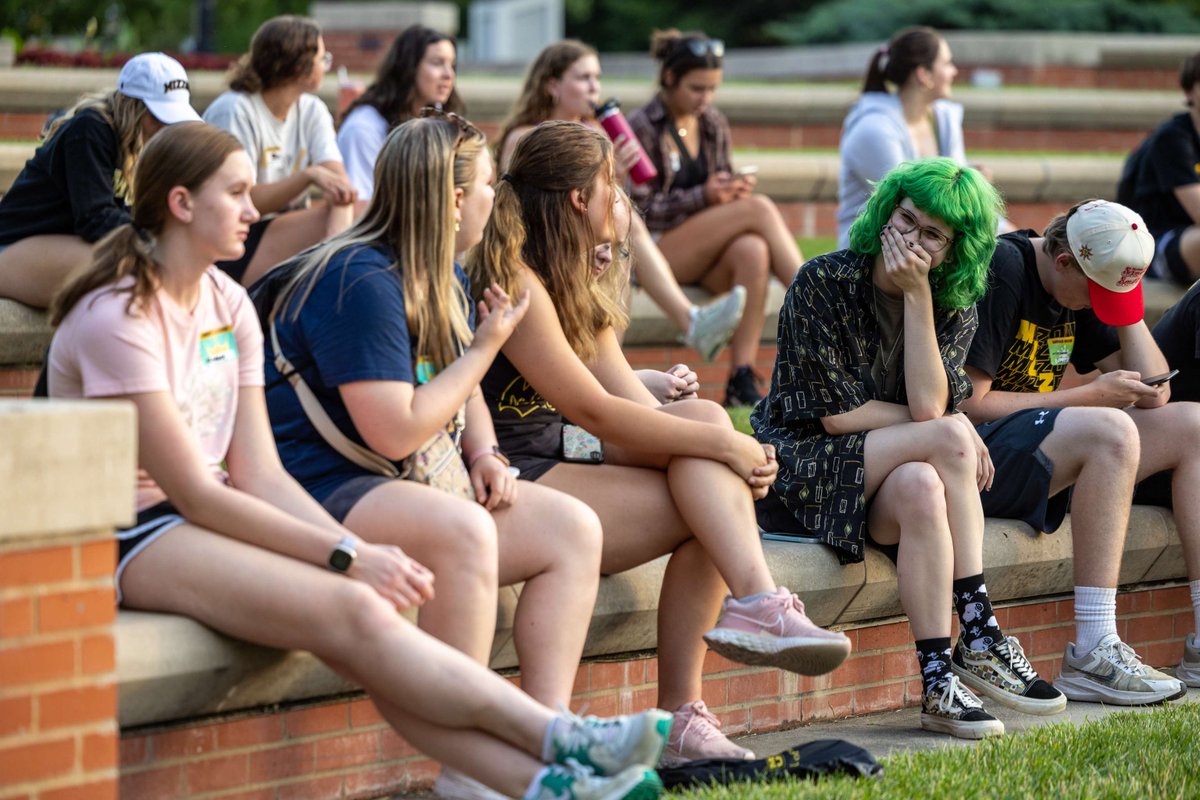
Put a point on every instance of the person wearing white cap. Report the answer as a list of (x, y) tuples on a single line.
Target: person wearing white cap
[(1074, 296), (76, 187), (288, 132)]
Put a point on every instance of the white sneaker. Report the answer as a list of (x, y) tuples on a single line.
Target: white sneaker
[(714, 322), (609, 745), (571, 781), (1113, 673), (453, 785), (1188, 670)]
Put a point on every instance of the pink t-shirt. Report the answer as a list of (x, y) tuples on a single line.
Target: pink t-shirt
[(201, 356)]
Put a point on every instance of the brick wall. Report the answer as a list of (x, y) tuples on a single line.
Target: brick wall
[(58, 682), (344, 750)]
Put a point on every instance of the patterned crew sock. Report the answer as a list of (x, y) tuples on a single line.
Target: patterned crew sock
[(1195, 587), (977, 626), (933, 657), (1095, 616)]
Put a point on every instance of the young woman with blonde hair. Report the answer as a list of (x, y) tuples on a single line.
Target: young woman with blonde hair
[(78, 185), (224, 536), (673, 478), (377, 321), (710, 225), (563, 82), (288, 132)]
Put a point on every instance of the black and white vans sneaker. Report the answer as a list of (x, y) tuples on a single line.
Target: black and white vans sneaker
[(1004, 674), (949, 707)]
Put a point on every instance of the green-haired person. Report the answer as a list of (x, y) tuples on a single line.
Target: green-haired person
[(863, 413)]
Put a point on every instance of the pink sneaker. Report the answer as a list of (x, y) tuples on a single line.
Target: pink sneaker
[(773, 630), (696, 734)]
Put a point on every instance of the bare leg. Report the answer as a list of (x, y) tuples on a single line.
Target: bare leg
[(688, 605), (946, 445), (262, 597), (552, 542), (33, 269), (293, 231), (910, 510), (456, 539), (743, 263), (655, 276), (1097, 450), (1170, 439), (690, 247)]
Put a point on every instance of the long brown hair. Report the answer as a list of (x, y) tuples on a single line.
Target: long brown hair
[(282, 50), (125, 115), (535, 104), (412, 211), (185, 154), (394, 89), (533, 223)]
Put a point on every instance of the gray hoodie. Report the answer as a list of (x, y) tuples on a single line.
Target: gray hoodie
[(875, 139)]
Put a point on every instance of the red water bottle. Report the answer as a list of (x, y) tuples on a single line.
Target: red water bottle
[(614, 123)]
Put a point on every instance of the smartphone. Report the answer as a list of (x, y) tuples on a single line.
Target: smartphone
[(1157, 379), (742, 172), (581, 447)]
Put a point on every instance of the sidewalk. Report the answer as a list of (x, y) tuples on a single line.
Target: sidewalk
[(898, 731)]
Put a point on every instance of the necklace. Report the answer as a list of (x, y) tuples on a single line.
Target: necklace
[(889, 355)]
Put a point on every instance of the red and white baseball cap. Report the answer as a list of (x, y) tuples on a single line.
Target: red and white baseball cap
[(1114, 248), (161, 83)]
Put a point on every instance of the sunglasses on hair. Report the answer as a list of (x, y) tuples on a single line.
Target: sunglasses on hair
[(327, 60), (703, 47), (464, 125)]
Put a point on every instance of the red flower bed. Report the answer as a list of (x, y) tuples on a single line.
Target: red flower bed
[(48, 57)]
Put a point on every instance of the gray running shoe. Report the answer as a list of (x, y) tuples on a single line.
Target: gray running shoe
[(574, 782), (610, 745), (714, 322), (1188, 670), (950, 707), (1113, 673)]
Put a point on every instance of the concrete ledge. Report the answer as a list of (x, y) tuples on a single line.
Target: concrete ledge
[(489, 98), (172, 668)]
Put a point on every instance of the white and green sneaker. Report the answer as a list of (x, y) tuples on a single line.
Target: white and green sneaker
[(1188, 670), (610, 745), (573, 782), (1113, 673)]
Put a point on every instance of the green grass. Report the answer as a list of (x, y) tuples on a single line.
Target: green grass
[(741, 418), (1154, 755)]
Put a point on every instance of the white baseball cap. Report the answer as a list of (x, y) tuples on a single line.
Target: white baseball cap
[(161, 83), (1114, 248)]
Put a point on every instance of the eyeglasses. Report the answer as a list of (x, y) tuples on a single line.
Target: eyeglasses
[(465, 128), (702, 47), (327, 60), (931, 239)]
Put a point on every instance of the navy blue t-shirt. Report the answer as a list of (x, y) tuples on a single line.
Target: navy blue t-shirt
[(351, 328)]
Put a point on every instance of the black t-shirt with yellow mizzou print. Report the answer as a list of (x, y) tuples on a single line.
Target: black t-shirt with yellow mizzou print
[(526, 424), (1025, 338)]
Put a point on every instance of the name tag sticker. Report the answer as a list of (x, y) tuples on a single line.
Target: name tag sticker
[(218, 346), (1060, 350)]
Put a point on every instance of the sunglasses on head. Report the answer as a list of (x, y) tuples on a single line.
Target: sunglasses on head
[(465, 128), (703, 47)]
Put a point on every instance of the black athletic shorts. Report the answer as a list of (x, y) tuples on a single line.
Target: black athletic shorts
[(1021, 488), (151, 524)]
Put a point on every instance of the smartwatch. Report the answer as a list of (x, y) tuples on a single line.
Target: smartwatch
[(343, 555)]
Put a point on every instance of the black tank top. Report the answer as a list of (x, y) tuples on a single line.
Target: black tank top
[(526, 424)]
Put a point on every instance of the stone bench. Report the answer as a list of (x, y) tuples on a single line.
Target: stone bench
[(172, 668)]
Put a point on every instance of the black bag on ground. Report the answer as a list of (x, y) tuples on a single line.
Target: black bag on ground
[(811, 760)]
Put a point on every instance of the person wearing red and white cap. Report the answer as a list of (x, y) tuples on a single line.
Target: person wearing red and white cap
[(1074, 296), (76, 188)]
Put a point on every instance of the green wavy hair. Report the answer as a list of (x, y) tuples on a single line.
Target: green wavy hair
[(959, 196)]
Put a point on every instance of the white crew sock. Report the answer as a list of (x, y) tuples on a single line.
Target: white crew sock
[(1095, 616), (1195, 587)]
